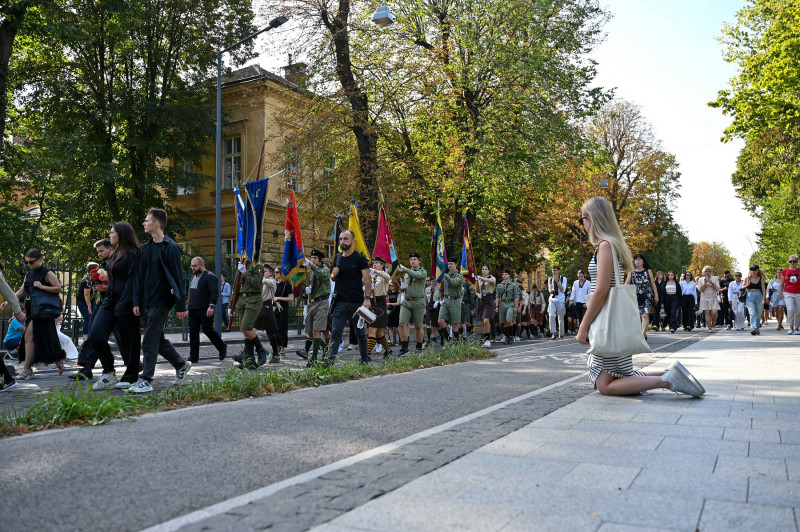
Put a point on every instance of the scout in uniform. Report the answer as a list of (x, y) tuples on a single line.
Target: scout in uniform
[(486, 309), (318, 291), (380, 289), (507, 304), (467, 308), (433, 299), (248, 306), (450, 312), (413, 306)]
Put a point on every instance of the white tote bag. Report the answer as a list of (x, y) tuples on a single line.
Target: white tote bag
[(617, 329)]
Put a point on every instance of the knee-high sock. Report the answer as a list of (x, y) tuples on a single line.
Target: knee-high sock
[(370, 345), (257, 344), (309, 342), (317, 343), (384, 343)]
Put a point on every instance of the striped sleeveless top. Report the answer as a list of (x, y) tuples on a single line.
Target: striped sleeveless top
[(593, 271)]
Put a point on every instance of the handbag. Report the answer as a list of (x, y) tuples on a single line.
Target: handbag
[(742, 296), (617, 329), (44, 305)]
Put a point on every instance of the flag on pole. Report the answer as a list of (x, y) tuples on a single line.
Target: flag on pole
[(440, 254), (384, 245), (355, 228), (293, 257), (250, 206), (338, 227), (467, 257)]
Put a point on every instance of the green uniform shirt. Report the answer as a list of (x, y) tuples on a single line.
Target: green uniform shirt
[(507, 291), (453, 284), (468, 302), (320, 281), (415, 286), (250, 287)]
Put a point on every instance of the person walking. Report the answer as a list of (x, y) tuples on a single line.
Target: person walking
[(737, 295), (642, 278), (616, 376), (284, 295), (467, 308), (660, 316), (487, 284), (557, 286), (672, 298), (580, 289), (157, 288), (202, 303), (688, 300), (40, 343), (8, 382), (790, 292), (708, 284), (755, 284), (225, 298), (249, 307), (380, 290), (318, 292), (725, 306), (776, 299), (115, 314), (84, 301), (267, 321), (537, 315), (412, 307), (506, 298), (352, 290), (450, 311), (393, 302)]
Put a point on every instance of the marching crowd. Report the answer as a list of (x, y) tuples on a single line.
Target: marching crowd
[(141, 284)]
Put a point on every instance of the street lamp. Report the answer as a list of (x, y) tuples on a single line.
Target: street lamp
[(383, 17), (604, 183), (664, 232), (274, 23)]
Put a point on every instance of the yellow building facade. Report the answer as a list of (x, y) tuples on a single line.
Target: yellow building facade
[(256, 107)]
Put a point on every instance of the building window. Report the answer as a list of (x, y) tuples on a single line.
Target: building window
[(183, 169), (329, 250), (232, 162)]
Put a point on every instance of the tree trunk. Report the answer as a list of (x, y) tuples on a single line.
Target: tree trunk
[(9, 27)]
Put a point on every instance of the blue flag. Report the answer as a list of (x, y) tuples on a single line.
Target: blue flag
[(250, 206)]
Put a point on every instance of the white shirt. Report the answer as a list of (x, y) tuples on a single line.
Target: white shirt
[(733, 289), (560, 295), (579, 293)]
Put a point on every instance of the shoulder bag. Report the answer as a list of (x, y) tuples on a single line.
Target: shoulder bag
[(44, 305), (617, 329)]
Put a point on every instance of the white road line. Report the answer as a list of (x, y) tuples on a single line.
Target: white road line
[(260, 493)]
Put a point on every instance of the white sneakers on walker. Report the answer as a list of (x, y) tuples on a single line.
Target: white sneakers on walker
[(681, 381)]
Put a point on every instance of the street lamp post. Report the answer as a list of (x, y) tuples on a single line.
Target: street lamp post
[(274, 23)]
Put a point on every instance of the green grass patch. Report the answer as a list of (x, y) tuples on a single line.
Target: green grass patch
[(78, 405)]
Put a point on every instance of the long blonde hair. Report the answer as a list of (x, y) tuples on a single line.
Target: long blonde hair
[(603, 226)]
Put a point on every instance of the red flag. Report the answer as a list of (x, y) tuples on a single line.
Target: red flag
[(467, 257), (384, 245), (293, 257)]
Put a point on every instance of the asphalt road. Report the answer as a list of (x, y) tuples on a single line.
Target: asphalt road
[(129, 475)]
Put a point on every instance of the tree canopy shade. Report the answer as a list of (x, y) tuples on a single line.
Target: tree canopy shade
[(104, 92), (763, 100), (712, 254)]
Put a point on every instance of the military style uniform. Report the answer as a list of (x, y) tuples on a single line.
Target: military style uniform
[(413, 306), (317, 310), (486, 289), (467, 303), (249, 304), (505, 294), (453, 293)]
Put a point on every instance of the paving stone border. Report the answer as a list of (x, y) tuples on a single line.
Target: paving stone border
[(332, 494)]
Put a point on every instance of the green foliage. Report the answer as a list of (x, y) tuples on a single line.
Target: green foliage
[(763, 101), (78, 405), (105, 92)]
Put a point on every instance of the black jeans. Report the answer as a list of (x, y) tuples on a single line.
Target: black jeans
[(687, 307), (671, 308), (154, 343), (342, 313), (198, 320), (126, 332)]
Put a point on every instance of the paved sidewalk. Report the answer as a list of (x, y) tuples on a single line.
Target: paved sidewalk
[(728, 461)]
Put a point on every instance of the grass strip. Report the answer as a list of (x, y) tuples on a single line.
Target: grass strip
[(78, 405)]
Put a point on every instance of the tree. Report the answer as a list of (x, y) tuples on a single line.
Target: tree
[(108, 90), (763, 100), (712, 254)]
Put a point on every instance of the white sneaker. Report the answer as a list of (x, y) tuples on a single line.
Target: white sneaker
[(681, 381), (796, 331), (106, 381), (791, 331), (180, 373), (352, 347), (487, 344), (123, 385), (141, 386), (517, 339), (9, 387)]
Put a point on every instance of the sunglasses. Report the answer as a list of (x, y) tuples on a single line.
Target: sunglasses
[(792, 262), (31, 261)]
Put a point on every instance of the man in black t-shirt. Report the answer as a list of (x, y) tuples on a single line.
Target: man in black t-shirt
[(353, 289)]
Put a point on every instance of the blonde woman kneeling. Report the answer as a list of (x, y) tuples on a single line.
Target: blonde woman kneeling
[(616, 376)]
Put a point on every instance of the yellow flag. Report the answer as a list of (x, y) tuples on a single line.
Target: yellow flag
[(355, 227)]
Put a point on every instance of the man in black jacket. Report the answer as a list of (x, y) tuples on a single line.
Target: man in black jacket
[(158, 287), (203, 294)]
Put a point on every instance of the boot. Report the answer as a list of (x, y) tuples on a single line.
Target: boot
[(262, 356), (403, 348)]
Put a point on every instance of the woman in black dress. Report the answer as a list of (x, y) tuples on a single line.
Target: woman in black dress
[(284, 294), (393, 304), (40, 343)]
